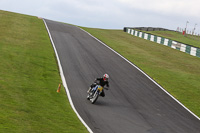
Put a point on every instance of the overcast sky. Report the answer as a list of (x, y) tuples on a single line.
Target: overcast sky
[(112, 14)]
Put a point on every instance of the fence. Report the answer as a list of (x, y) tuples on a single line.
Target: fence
[(194, 51)]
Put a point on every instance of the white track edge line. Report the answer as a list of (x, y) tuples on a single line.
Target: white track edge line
[(144, 74), (64, 81)]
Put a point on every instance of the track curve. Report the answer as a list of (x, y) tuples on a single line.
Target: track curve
[(133, 103)]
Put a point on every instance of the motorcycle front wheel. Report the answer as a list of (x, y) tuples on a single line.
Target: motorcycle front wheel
[(95, 97)]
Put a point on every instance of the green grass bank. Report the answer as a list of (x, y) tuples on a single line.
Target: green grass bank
[(29, 79), (177, 72)]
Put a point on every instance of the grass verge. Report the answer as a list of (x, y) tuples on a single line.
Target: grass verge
[(175, 71), (29, 79)]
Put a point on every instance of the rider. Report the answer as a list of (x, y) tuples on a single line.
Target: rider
[(101, 81)]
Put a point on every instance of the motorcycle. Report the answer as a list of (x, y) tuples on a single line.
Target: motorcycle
[(94, 93)]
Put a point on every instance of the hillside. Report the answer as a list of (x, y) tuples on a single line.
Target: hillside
[(29, 79)]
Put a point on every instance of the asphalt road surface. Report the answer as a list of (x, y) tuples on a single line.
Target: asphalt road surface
[(133, 103)]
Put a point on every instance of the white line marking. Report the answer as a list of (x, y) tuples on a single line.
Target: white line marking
[(144, 74), (64, 81)]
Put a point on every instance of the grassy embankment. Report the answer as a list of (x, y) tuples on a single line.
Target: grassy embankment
[(29, 79), (177, 72)]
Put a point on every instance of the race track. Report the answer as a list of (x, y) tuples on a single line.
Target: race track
[(134, 104)]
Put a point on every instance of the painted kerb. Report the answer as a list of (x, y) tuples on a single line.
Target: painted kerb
[(165, 41)]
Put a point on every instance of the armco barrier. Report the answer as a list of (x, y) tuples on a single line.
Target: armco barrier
[(194, 51)]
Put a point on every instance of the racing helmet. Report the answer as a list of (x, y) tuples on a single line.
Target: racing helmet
[(105, 77)]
